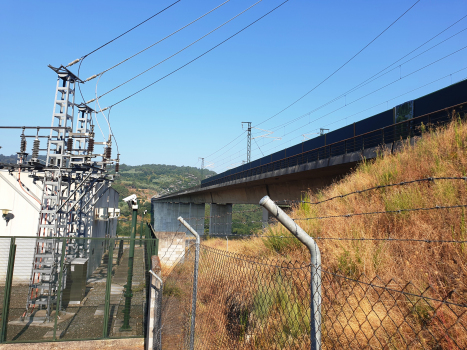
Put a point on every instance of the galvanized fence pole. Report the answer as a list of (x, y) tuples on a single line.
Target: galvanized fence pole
[(108, 287), (302, 236), (157, 330), (195, 283), (7, 293)]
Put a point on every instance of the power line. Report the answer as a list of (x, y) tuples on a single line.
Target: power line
[(176, 53), (214, 159), (299, 128), (226, 144), (372, 92), (193, 60), (258, 147), (168, 36), (370, 79), (342, 66), (107, 43)]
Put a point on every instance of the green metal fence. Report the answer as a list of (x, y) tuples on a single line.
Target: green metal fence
[(94, 298)]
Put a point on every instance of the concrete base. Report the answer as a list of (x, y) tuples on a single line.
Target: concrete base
[(171, 246), (121, 344), (39, 319), (117, 332)]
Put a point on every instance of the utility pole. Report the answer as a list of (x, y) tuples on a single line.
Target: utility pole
[(248, 145), (202, 168)]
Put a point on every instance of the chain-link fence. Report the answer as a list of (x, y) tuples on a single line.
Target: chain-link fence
[(245, 302), (233, 301), (93, 301)]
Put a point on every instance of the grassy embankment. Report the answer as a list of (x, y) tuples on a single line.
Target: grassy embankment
[(440, 267)]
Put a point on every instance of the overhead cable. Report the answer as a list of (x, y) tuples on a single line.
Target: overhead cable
[(364, 110), (342, 66), (206, 52), (168, 36), (214, 159), (374, 75), (175, 54), (220, 149), (129, 30)]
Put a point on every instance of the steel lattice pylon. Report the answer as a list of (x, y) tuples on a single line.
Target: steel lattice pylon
[(71, 183)]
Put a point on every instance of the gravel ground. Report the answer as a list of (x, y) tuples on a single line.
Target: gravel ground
[(86, 323)]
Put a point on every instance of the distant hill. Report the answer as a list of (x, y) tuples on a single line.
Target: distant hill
[(160, 178), (149, 180), (13, 158)]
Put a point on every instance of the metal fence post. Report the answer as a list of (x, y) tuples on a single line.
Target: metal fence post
[(302, 236), (128, 292), (195, 283), (158, 317), (7, 293), (108, 287)]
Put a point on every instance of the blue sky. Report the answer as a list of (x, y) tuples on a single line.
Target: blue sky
[(253, 76)]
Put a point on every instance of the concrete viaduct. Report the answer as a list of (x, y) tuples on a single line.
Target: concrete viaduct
[(280, 185)]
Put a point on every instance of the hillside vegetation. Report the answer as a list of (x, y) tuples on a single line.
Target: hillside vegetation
[(356, 247), (150, 180)]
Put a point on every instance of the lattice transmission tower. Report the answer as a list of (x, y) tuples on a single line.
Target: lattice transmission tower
[(73, 181)]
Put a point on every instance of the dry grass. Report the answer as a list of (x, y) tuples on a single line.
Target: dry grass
[(357, 315)]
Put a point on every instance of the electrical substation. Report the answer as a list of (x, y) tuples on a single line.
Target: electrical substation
[(67, 184)]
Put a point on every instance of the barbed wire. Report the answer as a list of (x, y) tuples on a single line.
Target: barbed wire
[(256, 260), (392, 289), (398, 211), (402, 183), (388, 239)]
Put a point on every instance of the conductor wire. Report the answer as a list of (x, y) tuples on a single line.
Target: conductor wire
[(168, 36), (206, 52), (176, 53)]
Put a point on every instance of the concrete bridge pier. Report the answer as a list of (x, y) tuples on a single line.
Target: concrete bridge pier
[(220, 221), (172, 235)]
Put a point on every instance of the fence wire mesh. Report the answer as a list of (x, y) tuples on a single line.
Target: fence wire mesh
[(245, 302)]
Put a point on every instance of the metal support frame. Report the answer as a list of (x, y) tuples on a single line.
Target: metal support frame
[(315, 256), (195, 282), (69, 180), (248, 143)]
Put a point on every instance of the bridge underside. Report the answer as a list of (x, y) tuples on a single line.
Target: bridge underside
[(280, 185)]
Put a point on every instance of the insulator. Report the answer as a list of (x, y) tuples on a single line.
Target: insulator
[(23, 144), (35, 148), (117, 167), (108, 152), (69, 144), (90, 146)]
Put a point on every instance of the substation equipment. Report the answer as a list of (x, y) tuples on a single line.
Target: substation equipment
[(73, 178)]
